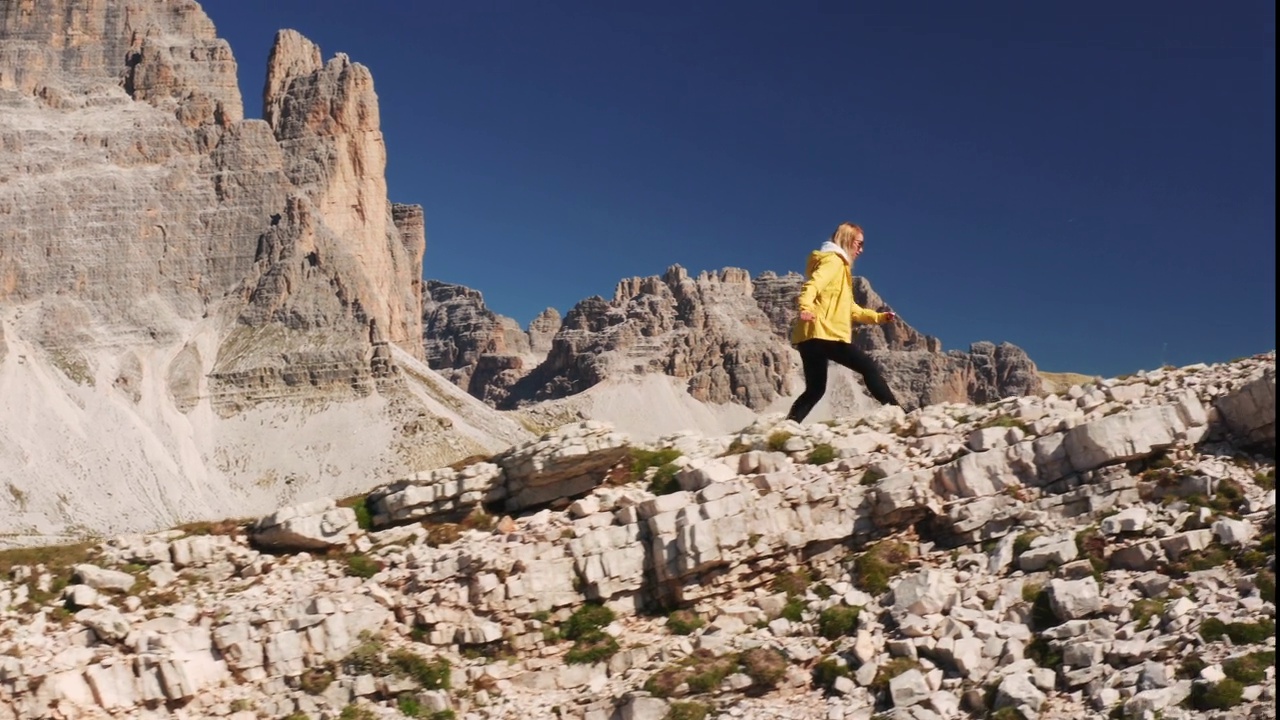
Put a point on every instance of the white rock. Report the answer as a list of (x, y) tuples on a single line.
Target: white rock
[(864, 647), (1149, 702), (316, 525), (1175, 546), (1122, 437), (101, 579), (924, 592), (1002, 555), (108, 624), (1233, 532), (1072, 599), (1129, 520), (589, 505), (82, 596), (162, 574), (1016, 691), (983, 439), (843, 685), (909, 688), (1044, 678), (115, 687), (969, 657), (1038, 558), (1213, 674)]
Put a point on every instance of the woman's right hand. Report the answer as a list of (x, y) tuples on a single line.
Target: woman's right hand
[(807, 316)]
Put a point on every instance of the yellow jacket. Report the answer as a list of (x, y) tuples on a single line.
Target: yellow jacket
[(828, 294)]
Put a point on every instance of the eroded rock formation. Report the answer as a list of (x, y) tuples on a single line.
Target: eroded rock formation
[(725, 334), (162, 257), (479, 350)]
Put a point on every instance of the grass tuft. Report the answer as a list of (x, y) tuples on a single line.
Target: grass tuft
[(777, 441), (873, 569), (822, 454), (684, 622), (1241, 633), (838, 621)]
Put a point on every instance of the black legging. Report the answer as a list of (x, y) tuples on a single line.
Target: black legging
[(815, 354)]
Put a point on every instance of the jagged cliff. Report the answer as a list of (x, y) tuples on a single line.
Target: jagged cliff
[(181, 288), (480, 351), (724, 336)]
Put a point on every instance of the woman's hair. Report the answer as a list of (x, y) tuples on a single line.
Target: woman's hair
[(845, 235)]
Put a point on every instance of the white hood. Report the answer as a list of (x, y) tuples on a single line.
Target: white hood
[(829, 246)]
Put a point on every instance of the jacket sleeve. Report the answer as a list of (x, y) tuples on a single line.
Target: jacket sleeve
[(827, 271), (863, 316)]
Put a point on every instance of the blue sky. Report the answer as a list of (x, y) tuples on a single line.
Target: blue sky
[(1092, 181)]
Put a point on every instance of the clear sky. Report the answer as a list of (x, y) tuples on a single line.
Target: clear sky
[(1093, 181)]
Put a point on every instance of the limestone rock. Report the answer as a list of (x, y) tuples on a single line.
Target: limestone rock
[(908, 689), (1250, 412), (100, 579), (441, 494), (316, 525), (924, 593), (1073, 599), (478, 350), (161, 256), (707, 330), (741, 542), (562, 464), (542, 331), (1121, 437), (727, 335)]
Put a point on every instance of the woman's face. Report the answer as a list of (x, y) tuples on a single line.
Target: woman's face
[(855, 247)]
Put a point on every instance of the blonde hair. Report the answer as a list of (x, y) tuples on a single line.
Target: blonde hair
[(846, 235)]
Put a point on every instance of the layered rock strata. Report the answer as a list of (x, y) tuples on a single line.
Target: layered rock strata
[(479, 350), (168, 267)]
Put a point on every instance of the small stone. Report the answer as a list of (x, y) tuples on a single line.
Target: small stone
[(1059, 553), (82, 596), (1072, 599), (1129, 520), (1017, 690), (100, 579), (1213, 674), (909, 688), (643, 707), (1233, 532)]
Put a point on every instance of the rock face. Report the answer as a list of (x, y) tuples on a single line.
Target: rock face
[(895, 573), (167, 265), (1250, 412), (478, 350), (725, 335), (707, 331)]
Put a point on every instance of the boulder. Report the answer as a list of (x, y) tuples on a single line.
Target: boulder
[(317, 525)]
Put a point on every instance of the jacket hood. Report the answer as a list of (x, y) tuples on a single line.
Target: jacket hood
[(829, 246)]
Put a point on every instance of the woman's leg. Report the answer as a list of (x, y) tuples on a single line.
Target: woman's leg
[(856, 360), (814, 358)]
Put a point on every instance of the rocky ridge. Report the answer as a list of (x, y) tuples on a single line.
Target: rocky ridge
[(724, 335), (477, 349), (1103, 552)]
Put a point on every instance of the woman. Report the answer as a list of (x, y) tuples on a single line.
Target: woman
[(824, 331)]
